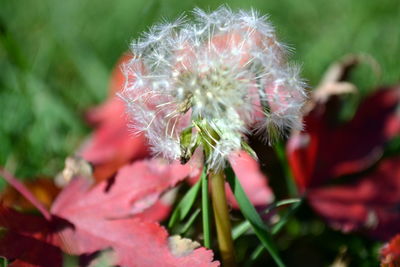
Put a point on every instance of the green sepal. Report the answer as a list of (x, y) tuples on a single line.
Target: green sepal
[(188, 144), (249, 150)]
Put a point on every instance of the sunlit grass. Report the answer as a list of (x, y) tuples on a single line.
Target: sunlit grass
[(56, 56)]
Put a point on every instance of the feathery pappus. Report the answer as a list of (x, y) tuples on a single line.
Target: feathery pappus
[(210, 81)]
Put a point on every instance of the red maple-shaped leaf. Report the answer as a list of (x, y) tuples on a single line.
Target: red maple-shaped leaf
[(325, 150), (370, 204), (135, 188), (390, 253), (28, 239), (135, 242), (87, 219), (103, 216)]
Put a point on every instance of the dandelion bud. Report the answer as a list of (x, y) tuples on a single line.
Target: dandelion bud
[(209, 82)]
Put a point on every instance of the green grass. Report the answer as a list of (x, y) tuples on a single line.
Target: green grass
[(56, 56)]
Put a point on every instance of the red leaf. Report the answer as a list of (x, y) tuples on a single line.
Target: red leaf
[(324, 151), (29, 240), (28, 251), (43, 189), (370, 204), (390, 253)]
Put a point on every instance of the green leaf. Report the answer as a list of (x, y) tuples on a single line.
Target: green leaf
[(184, 206), (250, 213), (205, 206)]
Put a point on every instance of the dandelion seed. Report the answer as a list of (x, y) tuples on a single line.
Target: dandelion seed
[(211, 81)]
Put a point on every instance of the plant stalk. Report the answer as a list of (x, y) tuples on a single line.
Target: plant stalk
[(222, 221)]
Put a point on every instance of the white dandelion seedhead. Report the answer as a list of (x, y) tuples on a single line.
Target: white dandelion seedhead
[(209, 82)]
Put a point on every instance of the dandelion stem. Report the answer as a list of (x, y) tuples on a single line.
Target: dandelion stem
[(205, 205), (222, 221)]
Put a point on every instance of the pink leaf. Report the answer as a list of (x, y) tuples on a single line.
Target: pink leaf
[(247, 169), (104, 216), (251, 178), (135, 242), (135, 188)]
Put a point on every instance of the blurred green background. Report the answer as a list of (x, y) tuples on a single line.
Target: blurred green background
[(56, 57)]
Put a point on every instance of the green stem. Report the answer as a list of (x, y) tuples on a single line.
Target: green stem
[(222, 221), (205, 206)]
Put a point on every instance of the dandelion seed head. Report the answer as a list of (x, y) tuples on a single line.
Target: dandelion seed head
[(220, 76)]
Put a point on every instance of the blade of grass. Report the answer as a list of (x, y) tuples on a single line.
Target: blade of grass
[(257, 252), (190, 222), (275, 229), (254, 256), (250, 213), (184, 206), (243, 227), (279, 148), (279, 225), (240, 229), (281, 203), (205, 206)]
